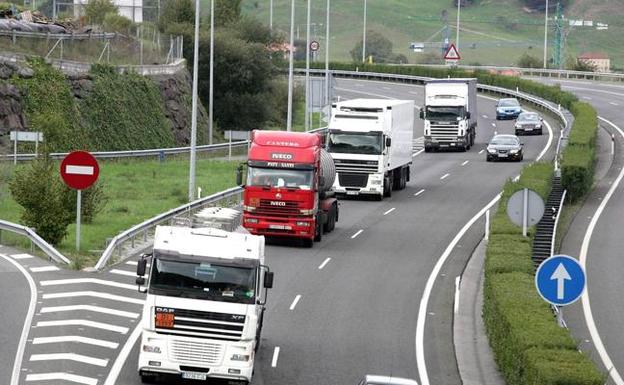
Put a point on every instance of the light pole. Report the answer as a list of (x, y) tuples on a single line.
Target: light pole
[(364, 35), (211, 98), (307, 75), (271, 15), (457, 32), (191, 193), (327, 55), (290, 66), (546, 37)]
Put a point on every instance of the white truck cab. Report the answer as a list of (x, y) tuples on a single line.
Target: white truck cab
[(203, 313)]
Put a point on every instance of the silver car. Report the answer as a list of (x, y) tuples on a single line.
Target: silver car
[(386, 380), (529, 123), (504, 147)]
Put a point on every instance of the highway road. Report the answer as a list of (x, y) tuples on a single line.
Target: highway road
[(345, 308)]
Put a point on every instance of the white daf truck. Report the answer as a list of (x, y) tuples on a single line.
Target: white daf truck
[(371, 143), (206, 295), (450, 114)]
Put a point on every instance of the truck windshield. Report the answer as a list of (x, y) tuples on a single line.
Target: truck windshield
[(452, 113), (355, 142), (279, 177), (203, 280)]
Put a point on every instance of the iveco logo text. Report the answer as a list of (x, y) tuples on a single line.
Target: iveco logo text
[(237, 317), (281, 156), (278, 203)]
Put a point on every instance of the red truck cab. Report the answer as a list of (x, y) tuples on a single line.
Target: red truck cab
[(287, 191)]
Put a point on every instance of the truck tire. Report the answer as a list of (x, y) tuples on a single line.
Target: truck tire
[(428, 148), (331, 220), (404, 177), (388, 187), (318, 236)]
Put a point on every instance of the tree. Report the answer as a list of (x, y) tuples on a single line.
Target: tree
[(227, 12), (377, 46), (528, 61), (96, 10), (176, 12), (116, 23)]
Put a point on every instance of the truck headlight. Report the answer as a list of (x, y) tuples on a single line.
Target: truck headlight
[(307, 212), (151, 349), (303, 224), (249, 208), (251, 220), (240, 357), (375, 182)]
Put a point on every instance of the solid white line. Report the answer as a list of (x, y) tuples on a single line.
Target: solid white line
[(124, 272), (589, 317), (413, 92), (83, 322), (363, 92), (465, 162), (356, 234), (389, 211), (420, 192), (481, 152), (275, 357), (88, 280), (418, 152), (456, 304), (62, 377), (22, 256), (79, 170), (444, 176), (133, 263), (19, 354), (325, 262), (295, 302), (96, 309), (78, 339), (44, 269), (612, 147), (70, 357), (550, 140), (123, 356), (422, 310), (95, 294)]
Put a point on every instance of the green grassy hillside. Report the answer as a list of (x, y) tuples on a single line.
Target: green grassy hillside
[(492, 31)]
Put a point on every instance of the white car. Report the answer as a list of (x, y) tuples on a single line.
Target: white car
[(386, 380)]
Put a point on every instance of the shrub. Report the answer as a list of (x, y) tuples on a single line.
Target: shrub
[(560, 366), (116, 23), (93, 201), (96, 10), (577, 170)]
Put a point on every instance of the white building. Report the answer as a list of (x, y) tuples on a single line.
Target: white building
[(132, 9)]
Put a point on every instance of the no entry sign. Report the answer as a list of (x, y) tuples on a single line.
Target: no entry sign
[(79, 170)]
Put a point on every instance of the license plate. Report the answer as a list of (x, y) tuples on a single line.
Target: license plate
[(528, 129), (352, 193), (502, 155), (194, 376), (279, 227)]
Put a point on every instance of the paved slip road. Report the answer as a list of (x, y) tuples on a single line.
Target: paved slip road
[(360, 287)]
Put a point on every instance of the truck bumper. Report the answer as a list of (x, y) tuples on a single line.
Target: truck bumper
[(445, 143), (374, 186), (165, 362), (279, 226)]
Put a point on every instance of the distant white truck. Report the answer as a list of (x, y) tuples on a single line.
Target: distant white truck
[(371, 143), (206, 296), (450, 113)]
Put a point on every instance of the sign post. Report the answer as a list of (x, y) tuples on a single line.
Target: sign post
[(25, 136), (79, 170), (525, 208)]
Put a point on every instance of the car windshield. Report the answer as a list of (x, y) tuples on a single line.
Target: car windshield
[(528, 117), (203, 280), (355, 142), (508, 103), (504, 142), (445, 113), (279, 177)]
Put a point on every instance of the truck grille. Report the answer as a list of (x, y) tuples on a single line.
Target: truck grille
[(290, 208), (356, 166), (353, 180), (444, 133), (193, 323), (203, 353)]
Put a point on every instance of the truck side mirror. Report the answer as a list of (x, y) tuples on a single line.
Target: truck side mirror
[(422, 113), (142, 266), (388, 142), (268, 280), (467, 114), (239, 175)]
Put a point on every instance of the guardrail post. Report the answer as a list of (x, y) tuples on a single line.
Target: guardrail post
[(487, 225), (132, 240), (145, 236), (0, 237)]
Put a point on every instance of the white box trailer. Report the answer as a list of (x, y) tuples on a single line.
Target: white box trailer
[(371, 143), (450, 113)]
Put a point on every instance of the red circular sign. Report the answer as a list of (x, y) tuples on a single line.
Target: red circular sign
[(314, 45), (79, 170)]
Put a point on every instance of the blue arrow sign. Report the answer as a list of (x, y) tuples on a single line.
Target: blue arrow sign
[(560, 280)]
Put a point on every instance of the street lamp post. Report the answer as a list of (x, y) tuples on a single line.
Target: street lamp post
[(191, 192), (364, 35), (457, 32), (546, 37), (271, 15), (327, 55), (307, 75), (211, 98), (290, 66)]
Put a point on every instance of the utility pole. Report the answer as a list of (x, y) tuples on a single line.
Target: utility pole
[(211, 97), (192, 160), (364, 36), (327, 56), (307, 75), (546, 37), (290, 66), (559, 39), (271, 15), (457, 32)]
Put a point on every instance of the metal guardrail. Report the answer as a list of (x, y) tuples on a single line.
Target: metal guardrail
[(48, 249), (554, 237), (143, 228), (64, 36)]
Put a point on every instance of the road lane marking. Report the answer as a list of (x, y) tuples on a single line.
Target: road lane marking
[(325, 262), (420, 192), (444, 176), (493, 124), (587, 98), (389, 211), (124, 272), (550, 140), (456, 304), (95, 294), (44, 269), (465, 162), (70, 357), (83, 322), (417, 153), (21, 347), (275, 357), (104, 282), (123, 356), (485, 116), (77, 339), (95, 309), (21, 256), (386, 88), (62, 377), (295, 302), (613, 104), (413, 92), (356, 234), (481, 152), (587, 312)]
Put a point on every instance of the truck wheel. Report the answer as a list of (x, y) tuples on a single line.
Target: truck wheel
[(404, 172), (387, 188), (318, 236), (331, 220), (427, 149)]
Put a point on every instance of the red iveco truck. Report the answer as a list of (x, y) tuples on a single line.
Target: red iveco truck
[(288, 188)]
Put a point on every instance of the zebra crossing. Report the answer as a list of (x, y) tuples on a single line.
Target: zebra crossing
[(418, 144)]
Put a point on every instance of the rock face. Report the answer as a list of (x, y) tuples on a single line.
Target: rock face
[(11, 109)]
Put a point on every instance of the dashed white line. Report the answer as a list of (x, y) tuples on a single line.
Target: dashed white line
[(295, 302), (418, 153), (62, 377), (95, 309), (356, 234), (82, 322), (465, 162), (613, 104), (485, 116), (21, 256), (88, 280), (70, 357), (587, 98), (493, 124), (444, 176), (389, 211), (275, 357), (325, 262), (419, 192), (43, 269), (78, 339), (481, 152), (95, 294)]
